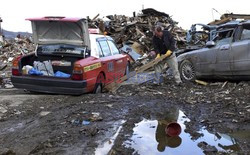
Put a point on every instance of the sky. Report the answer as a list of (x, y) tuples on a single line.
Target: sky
[(186, 12)]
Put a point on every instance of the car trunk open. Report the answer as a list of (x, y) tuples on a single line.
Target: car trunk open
[(61, 41), (55, 30), (59, 63)]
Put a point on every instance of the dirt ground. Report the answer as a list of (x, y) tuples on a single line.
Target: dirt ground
[(59, 124)]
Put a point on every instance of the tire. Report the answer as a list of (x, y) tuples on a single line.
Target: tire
[(99, 84), (187, 71)]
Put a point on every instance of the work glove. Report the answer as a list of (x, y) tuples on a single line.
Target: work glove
[(158, 56), (168, 53)]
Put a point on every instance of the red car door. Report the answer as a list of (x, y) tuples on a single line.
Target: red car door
[(108, 62), (120, 61)]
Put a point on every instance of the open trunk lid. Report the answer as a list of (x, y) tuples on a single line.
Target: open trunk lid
[(60, 30)]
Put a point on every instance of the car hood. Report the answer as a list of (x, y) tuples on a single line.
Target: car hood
[(65, 32), (183, 56)]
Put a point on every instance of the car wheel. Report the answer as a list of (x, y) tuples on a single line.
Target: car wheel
[(187, 71), (99, 84)]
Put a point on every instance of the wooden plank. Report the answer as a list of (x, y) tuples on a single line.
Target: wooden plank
[(218, 22), (96, 17), (116, 84), (150, 64), (228, 17), (237, 16)]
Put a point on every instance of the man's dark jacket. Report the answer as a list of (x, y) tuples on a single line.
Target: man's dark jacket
[(162, 45)]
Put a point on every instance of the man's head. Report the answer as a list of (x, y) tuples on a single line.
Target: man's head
[(158, 31)]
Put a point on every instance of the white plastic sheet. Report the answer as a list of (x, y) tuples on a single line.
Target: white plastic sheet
[(45, 67)]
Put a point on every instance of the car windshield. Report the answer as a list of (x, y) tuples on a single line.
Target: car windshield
[(60, 49)]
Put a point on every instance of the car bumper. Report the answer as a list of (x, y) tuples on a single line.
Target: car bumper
[(50, 85)]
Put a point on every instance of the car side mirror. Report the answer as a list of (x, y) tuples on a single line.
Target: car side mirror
[(210, 44)]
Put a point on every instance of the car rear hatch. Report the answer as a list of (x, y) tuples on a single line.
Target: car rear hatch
[(54, 30)]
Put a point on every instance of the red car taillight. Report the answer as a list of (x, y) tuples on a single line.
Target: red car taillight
[(77, 77), (77, 73), (15, 72), (15, 67)]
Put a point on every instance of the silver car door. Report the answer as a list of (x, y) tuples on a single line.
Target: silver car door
[(206, 60), (241, 52), (223, 62)]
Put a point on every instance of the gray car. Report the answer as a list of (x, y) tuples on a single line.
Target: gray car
[(227, 56)]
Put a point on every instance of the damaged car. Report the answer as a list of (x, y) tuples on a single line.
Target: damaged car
[(68, 59), (197, 37), (227, 56), (199, 34)]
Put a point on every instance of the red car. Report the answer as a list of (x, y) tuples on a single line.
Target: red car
[(68, 59)]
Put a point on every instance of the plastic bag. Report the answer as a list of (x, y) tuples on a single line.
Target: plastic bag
[(45, 67), (61, 74), (33, 71), (26, 69)]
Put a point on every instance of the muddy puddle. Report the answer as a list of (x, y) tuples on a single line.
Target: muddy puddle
[(149, 137)]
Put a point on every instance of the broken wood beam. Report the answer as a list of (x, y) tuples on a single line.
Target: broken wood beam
[(222, 21), (150, 64), (112, 87), (237, 16), (96, 17)]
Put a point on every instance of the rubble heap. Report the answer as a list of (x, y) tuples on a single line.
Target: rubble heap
[(9, 49), (137, 30)]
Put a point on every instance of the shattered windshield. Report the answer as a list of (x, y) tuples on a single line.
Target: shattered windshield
[(60, 49)]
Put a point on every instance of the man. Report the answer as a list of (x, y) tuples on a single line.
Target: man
[(164, 43)]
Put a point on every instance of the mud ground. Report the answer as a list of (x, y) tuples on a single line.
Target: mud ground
[(53, 124)]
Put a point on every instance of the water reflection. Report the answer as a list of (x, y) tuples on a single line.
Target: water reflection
[(149, 137), (160, 135)]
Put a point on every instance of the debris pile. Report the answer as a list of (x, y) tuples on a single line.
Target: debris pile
[(9, 49), (136, 31), (12, 48)]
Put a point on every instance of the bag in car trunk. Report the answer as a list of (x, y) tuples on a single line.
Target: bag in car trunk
[(49, 65)]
